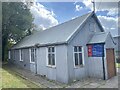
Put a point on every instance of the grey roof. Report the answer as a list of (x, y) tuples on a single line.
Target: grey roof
[(116, 36), (99, 37), (59, 34)]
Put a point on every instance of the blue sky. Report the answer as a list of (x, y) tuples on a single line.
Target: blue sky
[(48, 14), (65, 11)]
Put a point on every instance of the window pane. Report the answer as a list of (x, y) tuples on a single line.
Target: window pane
[(75, 48), (49, 49), (51, 56), (21, 54), (80, 49), (49, 59), (14, 55), (32, 55), (80, 58), (76, 59), (53, 59), (53, 49)]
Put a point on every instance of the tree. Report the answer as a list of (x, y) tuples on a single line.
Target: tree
[(16, 24)]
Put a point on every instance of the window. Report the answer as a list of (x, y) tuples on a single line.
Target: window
[(9, 55), (32, 55), (14, 55), (21, 55), (78, 58), (51, 56)]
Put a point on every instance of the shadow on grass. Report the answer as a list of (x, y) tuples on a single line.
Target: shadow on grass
[(11, 79)]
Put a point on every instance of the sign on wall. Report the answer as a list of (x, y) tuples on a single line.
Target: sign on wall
[(89, 50), (96, 50)]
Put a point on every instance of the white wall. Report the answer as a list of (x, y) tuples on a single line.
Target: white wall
[(58, 73), (95, 67), (81, 39)]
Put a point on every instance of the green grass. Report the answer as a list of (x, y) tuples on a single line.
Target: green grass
[(11, 80), (118, 65)]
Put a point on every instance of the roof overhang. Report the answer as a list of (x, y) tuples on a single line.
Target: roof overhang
[(37, 45), (95, 43)]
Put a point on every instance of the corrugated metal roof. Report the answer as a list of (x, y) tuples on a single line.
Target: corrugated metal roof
[(99, 37), (118, 36), (57, 34)]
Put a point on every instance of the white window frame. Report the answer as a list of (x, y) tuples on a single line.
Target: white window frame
[(30, 55), (53, 66), (83, 63), (9, 54), (20, 52)]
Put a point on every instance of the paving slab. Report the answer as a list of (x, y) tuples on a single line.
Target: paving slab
[(111, 83)]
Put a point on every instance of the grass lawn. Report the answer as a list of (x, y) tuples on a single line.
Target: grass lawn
[(118, 65), (11, 80)]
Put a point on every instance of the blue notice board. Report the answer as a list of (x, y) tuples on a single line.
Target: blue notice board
[(98, 50)]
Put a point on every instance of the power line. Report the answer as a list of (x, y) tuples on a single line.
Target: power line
[(99, 4)]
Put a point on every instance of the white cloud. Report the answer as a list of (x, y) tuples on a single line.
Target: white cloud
[(113, 12), (100, 5), (78, 7), (111, 7), (110, 24), (88, 3), (43, 18)]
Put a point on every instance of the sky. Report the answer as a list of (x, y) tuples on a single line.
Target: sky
[(48, 14)]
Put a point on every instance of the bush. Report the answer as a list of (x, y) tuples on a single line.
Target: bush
[(118, 60)]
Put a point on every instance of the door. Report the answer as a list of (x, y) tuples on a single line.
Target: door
[(110, 56)]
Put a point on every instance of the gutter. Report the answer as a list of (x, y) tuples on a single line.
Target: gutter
[(41, 45), (95, 43)]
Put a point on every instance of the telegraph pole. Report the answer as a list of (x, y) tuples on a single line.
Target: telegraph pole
[(93, 5)]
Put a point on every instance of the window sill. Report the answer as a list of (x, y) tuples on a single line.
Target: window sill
[(79, 66), (21, 61), (32, 62), (51, 66)]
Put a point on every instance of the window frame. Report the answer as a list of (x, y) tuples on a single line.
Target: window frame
[(33, 54), (9, 54), (82, 52), (47, 58), (21, 56), (14, 54)]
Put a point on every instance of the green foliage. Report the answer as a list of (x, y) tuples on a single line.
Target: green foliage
[(118, 65), (16, 23)]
